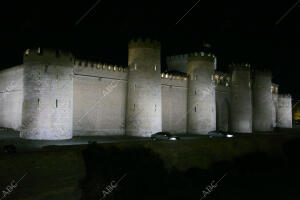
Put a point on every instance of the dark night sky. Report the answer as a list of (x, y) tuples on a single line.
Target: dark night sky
[(240, 31)]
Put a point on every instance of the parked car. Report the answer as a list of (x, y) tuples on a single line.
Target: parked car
[(212, 134), (164, 136)]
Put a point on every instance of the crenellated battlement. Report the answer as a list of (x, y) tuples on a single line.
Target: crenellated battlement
[(99, 66), (222, 79), (239, 66), (263, 72), (147, 43), (174, 79), (177, 58), (177, 63), (173, 76), (198, 56), (48, 56)]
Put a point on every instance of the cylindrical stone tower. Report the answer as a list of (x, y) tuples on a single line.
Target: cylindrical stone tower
[(223, 99), (143, 112), (241, 103), (262, 101), (284, 111), (48, 95), (177, 63), (274, 103), (201, 93)]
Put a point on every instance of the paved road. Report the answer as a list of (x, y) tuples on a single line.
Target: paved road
[(8, 137)]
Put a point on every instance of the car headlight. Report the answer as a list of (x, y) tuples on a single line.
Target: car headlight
[(229, 135)]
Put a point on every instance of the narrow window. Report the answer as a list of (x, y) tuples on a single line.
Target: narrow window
[(133, 106), (195, 77), (27, 52), (56, 103), (38, 102), (195, 109), (135, 67), (155, 68), (195, 92), (39, 51), (155, 107), (39, 75), (57, 76)]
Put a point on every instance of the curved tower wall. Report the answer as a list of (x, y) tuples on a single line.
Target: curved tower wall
[(11, 97), (177, 63), (274, 103), (284, 111), (241, 105), (201, 94), (223, 101), (262, 101), (143, 111), (48, 95)]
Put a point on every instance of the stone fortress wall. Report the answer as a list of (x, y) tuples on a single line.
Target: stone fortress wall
[(284, 111), (99, 99), (223, 101), (174, 103), (11, 97), (54, 96), (262, 96)]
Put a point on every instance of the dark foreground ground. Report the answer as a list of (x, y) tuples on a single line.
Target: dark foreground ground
[(244, 167)]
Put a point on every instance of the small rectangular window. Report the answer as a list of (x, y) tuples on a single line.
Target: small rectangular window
[(155, 68), (195, 109), (155, 107), (135, 67), (56, 103), (195, 92), (38, 102), (133, 106), (57, 76), (195, 77)]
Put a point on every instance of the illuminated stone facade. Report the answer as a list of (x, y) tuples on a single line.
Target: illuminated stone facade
[(53, 96)]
